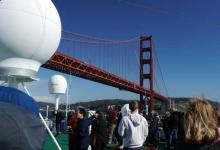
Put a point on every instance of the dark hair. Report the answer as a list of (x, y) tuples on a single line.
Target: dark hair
[(133, 105), (100, 114), (119, 108), (82, 111)]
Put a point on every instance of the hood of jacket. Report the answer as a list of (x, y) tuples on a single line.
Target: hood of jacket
[(135, 118)]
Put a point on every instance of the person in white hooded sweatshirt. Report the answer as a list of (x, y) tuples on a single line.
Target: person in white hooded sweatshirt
[(133, 128)]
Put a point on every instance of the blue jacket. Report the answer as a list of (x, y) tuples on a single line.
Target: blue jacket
[(82, 132)]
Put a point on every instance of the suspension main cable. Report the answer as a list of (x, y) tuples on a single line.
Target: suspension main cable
[(99, 39), (89, 42)]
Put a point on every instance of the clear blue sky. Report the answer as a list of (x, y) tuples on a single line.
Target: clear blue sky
[(186, 37)]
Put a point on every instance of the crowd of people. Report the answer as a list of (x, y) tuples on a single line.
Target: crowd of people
[(195, 129)]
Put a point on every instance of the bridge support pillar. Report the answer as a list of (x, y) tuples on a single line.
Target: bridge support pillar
[(146, 69)]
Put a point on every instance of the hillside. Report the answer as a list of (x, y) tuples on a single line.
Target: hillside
[(93, 105), (180, 103)]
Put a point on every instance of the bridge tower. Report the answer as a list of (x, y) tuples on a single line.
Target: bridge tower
[(146, 68)]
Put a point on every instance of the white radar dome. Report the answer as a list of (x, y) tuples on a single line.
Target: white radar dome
[(57, 85), (30, 32)]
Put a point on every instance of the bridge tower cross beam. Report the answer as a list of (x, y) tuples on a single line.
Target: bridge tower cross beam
[(146, 61)]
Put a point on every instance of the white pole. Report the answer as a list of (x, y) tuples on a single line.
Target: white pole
[(25, 88), (67, 101), (147, 109), (57, 102), (47, 110), (51, 134), (170, 103), (70, 82), (45, 124)]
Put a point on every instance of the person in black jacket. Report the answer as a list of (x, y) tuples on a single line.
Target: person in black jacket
[(117, 136), (99, 132), (153, 138), (166, 125), (82, 131), (59, 117), (174, 126)]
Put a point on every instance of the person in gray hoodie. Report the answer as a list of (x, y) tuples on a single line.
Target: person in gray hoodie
[(133, 128)]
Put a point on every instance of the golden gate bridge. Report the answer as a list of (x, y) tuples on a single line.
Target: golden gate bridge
[(124, 64)]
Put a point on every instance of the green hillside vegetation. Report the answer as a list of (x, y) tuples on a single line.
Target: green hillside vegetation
[(180, 104)]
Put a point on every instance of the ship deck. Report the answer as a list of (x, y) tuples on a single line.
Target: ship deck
[(63, 141)]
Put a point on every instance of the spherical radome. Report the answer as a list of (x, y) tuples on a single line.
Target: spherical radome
[(30, 32), (57, 84)]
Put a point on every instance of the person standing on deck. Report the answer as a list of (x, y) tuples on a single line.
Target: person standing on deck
[(133, 128), (154, 137), (166, 123), (112, 121), (174, 126), (72, 125), (99, 132), (59, 117), (82, 130)]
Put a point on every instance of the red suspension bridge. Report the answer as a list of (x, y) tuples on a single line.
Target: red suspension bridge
[(124, 64)]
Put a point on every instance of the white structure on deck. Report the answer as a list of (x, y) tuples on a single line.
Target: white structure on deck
[(57, 86), (30, 32)]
